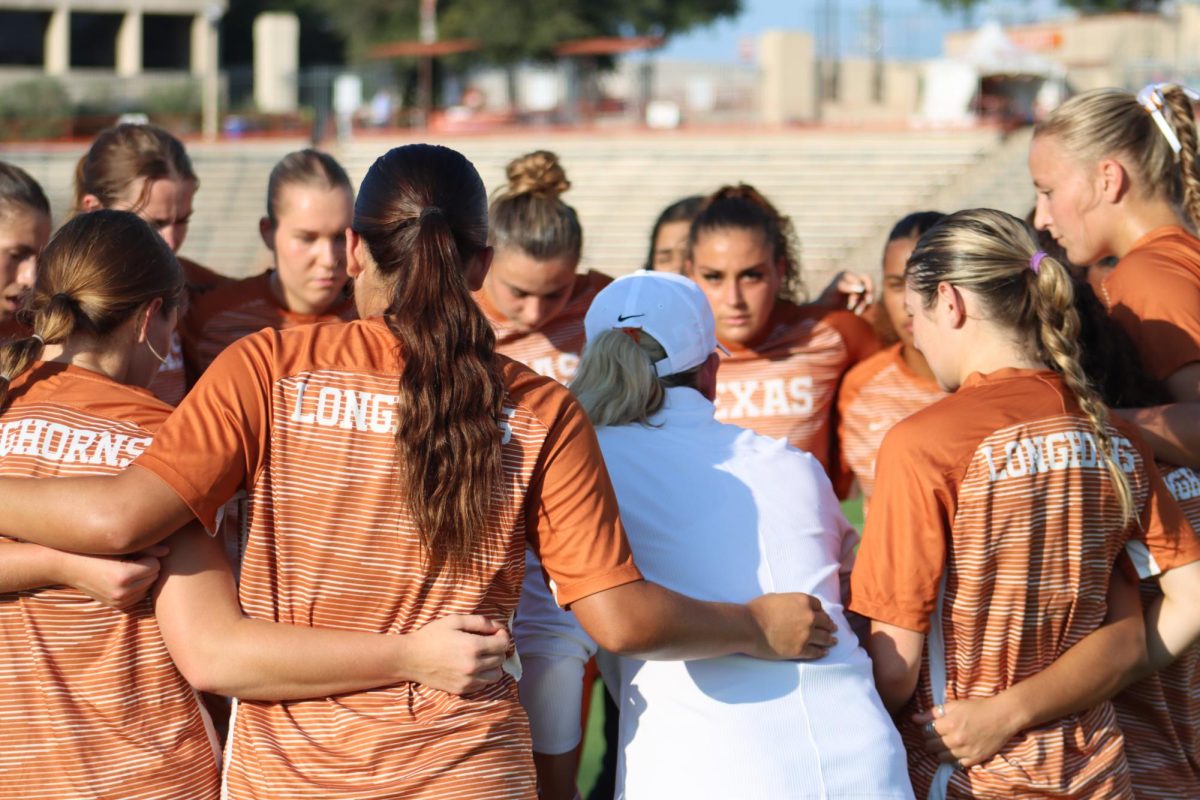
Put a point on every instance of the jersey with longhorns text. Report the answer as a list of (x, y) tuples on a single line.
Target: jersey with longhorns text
[(785, 386), (91, 704), (994, 531), (304, 421), (552, 350), (1160, 715), (876, 394)]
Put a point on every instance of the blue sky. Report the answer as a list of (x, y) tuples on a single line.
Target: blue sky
[(911, 28)]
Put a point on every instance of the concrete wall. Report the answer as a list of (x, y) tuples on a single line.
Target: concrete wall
[(788, 77), (276, 62), (1109, 49)]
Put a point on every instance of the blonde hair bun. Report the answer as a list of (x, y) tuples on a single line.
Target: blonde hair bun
[(538, 174)]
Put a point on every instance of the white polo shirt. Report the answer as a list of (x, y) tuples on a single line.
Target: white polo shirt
[(721, 513)]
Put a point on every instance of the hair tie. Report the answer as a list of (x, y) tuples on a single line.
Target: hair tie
[(1152, 99), (429, 211), (1035, 263), (5, 378), (39, 338)]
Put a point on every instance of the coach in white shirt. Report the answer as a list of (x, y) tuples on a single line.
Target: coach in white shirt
[(721, 513)]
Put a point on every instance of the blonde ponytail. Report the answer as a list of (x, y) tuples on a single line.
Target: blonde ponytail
[(1058, 332), (1113, 123), (1183, 120), (993, 254)]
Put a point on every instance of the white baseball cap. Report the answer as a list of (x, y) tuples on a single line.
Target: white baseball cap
[(671, 308)]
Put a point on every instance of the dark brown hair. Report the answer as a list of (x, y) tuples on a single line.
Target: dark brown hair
[(306, 167), (98, 270), (422, 214), (682, 210), (19, 189), (527, 213), (742, 207), (125, 153)]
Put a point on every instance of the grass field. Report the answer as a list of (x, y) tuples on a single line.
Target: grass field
[(593, 737)]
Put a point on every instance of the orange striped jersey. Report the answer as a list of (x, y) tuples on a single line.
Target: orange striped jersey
[(170, 384), (785, 386), (91, 705), (1154, 294), (994, 530), (304, 421), (239, 308), (553, 349), (876, 394), (1160, 715)]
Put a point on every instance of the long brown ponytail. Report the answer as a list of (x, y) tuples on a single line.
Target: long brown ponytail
[(990, 253), (96, 273), (422, 213)]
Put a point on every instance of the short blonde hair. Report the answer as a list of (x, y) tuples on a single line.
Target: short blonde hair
[(616, 383)]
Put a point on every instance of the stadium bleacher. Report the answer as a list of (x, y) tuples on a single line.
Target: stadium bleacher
[(843, 188)]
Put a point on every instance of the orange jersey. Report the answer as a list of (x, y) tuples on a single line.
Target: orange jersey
[(553, 349), (785, 386), (1154, 294), (876, 394), (303, 420), (994, 530), (91, 704), (200, 279), (1160, 715), (239, 308), (170, 384)]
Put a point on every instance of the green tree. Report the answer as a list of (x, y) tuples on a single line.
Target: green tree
[(515, 30), (1084, 6)]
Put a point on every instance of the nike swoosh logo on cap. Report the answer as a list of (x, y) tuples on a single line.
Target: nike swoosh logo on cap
[(621, 318)]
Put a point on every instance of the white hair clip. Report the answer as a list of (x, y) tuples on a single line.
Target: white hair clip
[(1151, 98)]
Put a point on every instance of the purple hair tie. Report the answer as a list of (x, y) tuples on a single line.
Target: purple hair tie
[(1035, 263)]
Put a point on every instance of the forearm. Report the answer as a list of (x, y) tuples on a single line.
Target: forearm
[(1172, 622), (257, 660), (896, 662), (29, 566), (107, 515), (219, 650), (1095, 669), (647, 621), (1172, 431)]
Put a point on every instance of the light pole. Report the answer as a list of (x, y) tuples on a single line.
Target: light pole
[(428, 36), (210, 100)]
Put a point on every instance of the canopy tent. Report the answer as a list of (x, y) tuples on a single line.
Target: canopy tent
[(993, 78)]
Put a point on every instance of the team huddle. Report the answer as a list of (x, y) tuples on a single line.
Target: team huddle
[(365, 525)]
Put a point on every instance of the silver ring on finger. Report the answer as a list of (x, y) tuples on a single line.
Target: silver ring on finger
[(931, 727), (939, 711)]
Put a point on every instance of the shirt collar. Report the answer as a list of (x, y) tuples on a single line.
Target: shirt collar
[(684, 405)]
